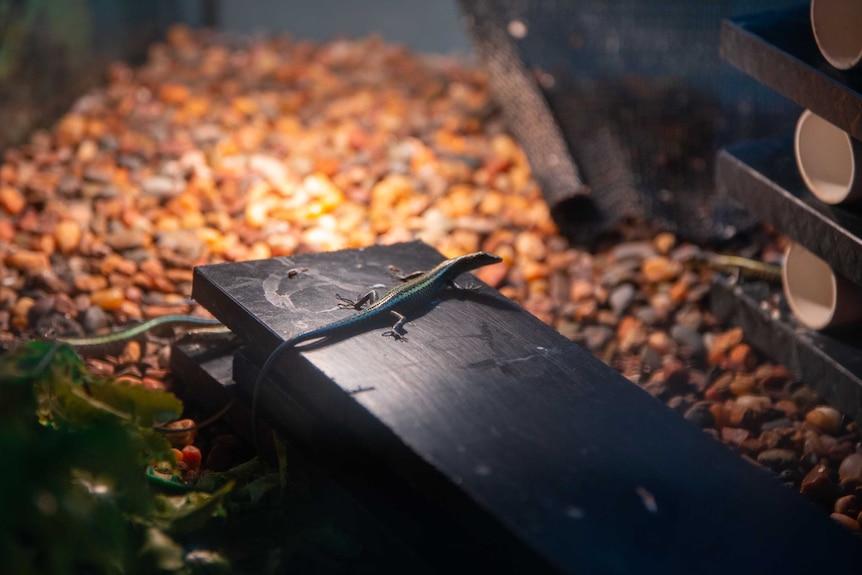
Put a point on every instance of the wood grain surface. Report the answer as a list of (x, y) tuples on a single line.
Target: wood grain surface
[(503, 444)]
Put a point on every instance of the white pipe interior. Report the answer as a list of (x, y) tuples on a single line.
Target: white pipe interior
[(810, 287), (837, 27), (824, 155)]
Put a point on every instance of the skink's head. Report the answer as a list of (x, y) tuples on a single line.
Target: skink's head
[(479, 259)]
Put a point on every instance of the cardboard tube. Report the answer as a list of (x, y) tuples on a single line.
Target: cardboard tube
[(829, 160), (817, 296), (837, 27)]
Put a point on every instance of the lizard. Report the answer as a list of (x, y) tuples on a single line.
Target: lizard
[(419, 289), (93, 345), (98, 344)]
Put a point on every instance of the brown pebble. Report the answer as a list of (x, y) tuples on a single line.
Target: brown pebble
[(90, 283), (28, 261), (818, 485), (131, 353), (664, 242), (676, 374), (788, 407), (631, 333), (850, 470), (661, 342), (21, 312), (826, 418), (847, 522), (742, 384), (734, 435), (778, 459), (109, 298), (742, 416), (849, 505), (11, 200), (68, 236), (659, 268), (741, 358)]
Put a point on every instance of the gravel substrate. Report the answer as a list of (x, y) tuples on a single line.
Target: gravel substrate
[(211, 153)]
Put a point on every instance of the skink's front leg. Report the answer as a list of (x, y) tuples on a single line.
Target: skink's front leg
[(345, 303)]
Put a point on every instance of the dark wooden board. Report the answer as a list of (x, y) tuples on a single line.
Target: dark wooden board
[(763, 177), (205, 372), (831, 363), (541, 457), (778, 49)]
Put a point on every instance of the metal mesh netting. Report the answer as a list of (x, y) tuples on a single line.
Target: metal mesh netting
[(622, 106)]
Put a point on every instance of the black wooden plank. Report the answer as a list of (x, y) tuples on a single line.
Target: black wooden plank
[(205, 372), (778, 49), (542, 456), (763, 176), (831, 363)]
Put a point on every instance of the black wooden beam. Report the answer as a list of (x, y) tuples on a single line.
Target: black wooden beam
[(778, 49), (507, 437), (764, 178)]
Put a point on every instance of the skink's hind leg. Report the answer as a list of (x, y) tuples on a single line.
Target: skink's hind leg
[(345, 303), (397, 332)]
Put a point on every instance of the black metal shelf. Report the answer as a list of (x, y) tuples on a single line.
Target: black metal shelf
[(778, 49), (831, 365), (763, 177)]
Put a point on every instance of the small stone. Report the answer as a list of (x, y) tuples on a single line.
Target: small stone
[(688, 338), (735, 436), (850, 470), (621, 297), (849, 505), (675, 374), (779, 423), (659, 268), (778, 460), (772, 376), (631, 333), (95, 319), (90, 283), (127, 239), (817, 484), (664, 242), (742, 416), (788, 407), (110, 299), (741, 358), (847, 522), (700, 414), (679, 404), (805, 398), (11, 200), (657, 387), (826, 418), (581, 289), (68, 236), (742, 384), (28, 261), (661, 342), (172, 93), (632, 251), (597, 336), (162, 186)]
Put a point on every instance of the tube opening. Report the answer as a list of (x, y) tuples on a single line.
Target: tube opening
[(809, 287), (836, 25), (824, 155)]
